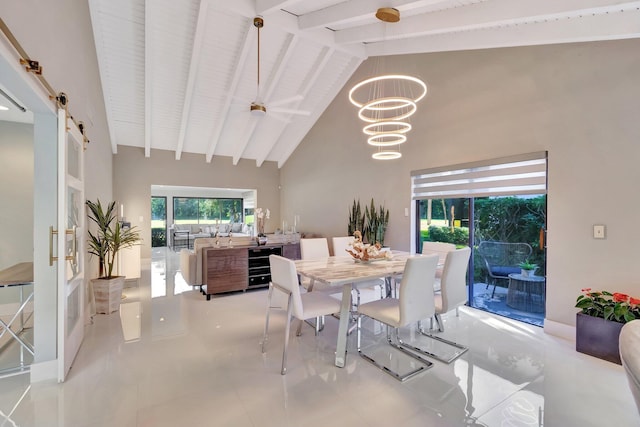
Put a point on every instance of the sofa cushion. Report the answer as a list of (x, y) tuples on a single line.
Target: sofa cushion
[(195, 228), (236, 228), (223, 228)]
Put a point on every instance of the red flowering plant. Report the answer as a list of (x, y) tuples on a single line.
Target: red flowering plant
[(615, 306)]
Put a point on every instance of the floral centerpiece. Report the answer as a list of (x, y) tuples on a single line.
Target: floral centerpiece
[(615, 306), (261, 216), (365, 252)]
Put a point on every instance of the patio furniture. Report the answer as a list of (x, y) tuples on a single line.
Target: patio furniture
[(502, 259), (526, 293)]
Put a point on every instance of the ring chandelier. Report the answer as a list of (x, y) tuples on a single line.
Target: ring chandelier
[(386, 102)]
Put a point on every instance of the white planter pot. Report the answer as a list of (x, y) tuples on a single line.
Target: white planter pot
[(108, 294), (527, 273)]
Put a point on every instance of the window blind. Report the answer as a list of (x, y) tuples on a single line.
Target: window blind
[(506, 176)]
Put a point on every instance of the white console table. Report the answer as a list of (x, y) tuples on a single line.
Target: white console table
[(128, 262)]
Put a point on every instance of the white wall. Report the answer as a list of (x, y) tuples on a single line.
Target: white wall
[(580, 102), (16, 189), (59, 35)]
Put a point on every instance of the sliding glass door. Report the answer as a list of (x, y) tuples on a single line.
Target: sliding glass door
[(158, 221), (498, 208)]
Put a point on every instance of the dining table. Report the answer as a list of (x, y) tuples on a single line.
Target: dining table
[(345, 272)]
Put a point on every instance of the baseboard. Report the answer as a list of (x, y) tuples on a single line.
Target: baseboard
[(44, 371), (560, 330)]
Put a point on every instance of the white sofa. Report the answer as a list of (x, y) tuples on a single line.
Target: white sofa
[(178, 237), (191, 259), (630, 356)]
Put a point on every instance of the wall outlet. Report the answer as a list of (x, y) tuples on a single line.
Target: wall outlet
[(598, 231), (406, 211)]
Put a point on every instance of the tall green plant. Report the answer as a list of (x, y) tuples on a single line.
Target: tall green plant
[(377, 222), (356, 218), (110, 236)]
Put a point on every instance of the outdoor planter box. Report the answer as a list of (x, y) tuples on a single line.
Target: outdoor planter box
[(598, 337)]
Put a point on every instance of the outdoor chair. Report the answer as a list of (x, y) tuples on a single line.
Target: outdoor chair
[(501, 259)]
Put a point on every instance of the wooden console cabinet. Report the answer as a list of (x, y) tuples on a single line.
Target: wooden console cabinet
[(241, 268)]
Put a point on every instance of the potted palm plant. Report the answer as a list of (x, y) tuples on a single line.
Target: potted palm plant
[(105, 243)]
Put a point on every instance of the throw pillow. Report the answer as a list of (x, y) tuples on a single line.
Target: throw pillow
[(236, 228)]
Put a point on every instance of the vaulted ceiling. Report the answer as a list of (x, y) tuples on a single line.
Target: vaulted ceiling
[(181, 75)]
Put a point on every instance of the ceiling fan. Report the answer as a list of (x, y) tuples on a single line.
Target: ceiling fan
[(258, 107)]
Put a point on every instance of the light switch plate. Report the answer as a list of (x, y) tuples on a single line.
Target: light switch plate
[(598, 231)]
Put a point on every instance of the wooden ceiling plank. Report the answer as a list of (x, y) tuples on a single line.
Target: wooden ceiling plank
[(196, 53), (148, 70), (249, 37), (354, 11), (94, 11), (274, 80), (331, 93), (479, 15), (314, 73), (608, 26)]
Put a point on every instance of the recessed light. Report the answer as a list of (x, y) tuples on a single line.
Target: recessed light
[(3, 108)]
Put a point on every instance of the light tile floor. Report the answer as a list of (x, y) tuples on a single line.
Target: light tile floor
[(171, 358)]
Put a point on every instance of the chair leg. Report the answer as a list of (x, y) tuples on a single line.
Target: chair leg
[(439, 321), (265, 336), (286, 337), (461, 349), (425, 363)]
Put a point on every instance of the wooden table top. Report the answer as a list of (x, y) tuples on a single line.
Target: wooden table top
[(19, 274)]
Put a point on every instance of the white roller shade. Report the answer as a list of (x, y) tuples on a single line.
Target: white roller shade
[(515, 175)]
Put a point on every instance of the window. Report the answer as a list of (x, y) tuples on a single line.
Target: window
[(158, 221), (197, 210)]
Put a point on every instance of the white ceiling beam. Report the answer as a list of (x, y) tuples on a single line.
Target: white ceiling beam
[(276, 75), (479, 15), (314, 73), (264, 7), (289, 23), (354, 11), (196, 54), (249, 37), (608, 26), (294, 140), (148, 69)]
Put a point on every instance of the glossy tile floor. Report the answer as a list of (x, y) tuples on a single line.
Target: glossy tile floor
[(171, 358)]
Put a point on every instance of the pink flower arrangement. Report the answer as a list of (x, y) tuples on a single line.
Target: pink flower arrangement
[(616, 306)]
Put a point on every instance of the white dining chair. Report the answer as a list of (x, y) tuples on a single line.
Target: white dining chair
[(441, 249), (301, 306), (416, 302), (453, 293), (314, 248)]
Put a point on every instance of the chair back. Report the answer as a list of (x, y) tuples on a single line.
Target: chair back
[(315, 248), (454, 279), (439, 248), (502, 258), (341, 244), (285, 276), (416, 289)]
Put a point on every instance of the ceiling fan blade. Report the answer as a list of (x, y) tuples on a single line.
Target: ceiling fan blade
[(286, 100), (279, 118), (289, 111)]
